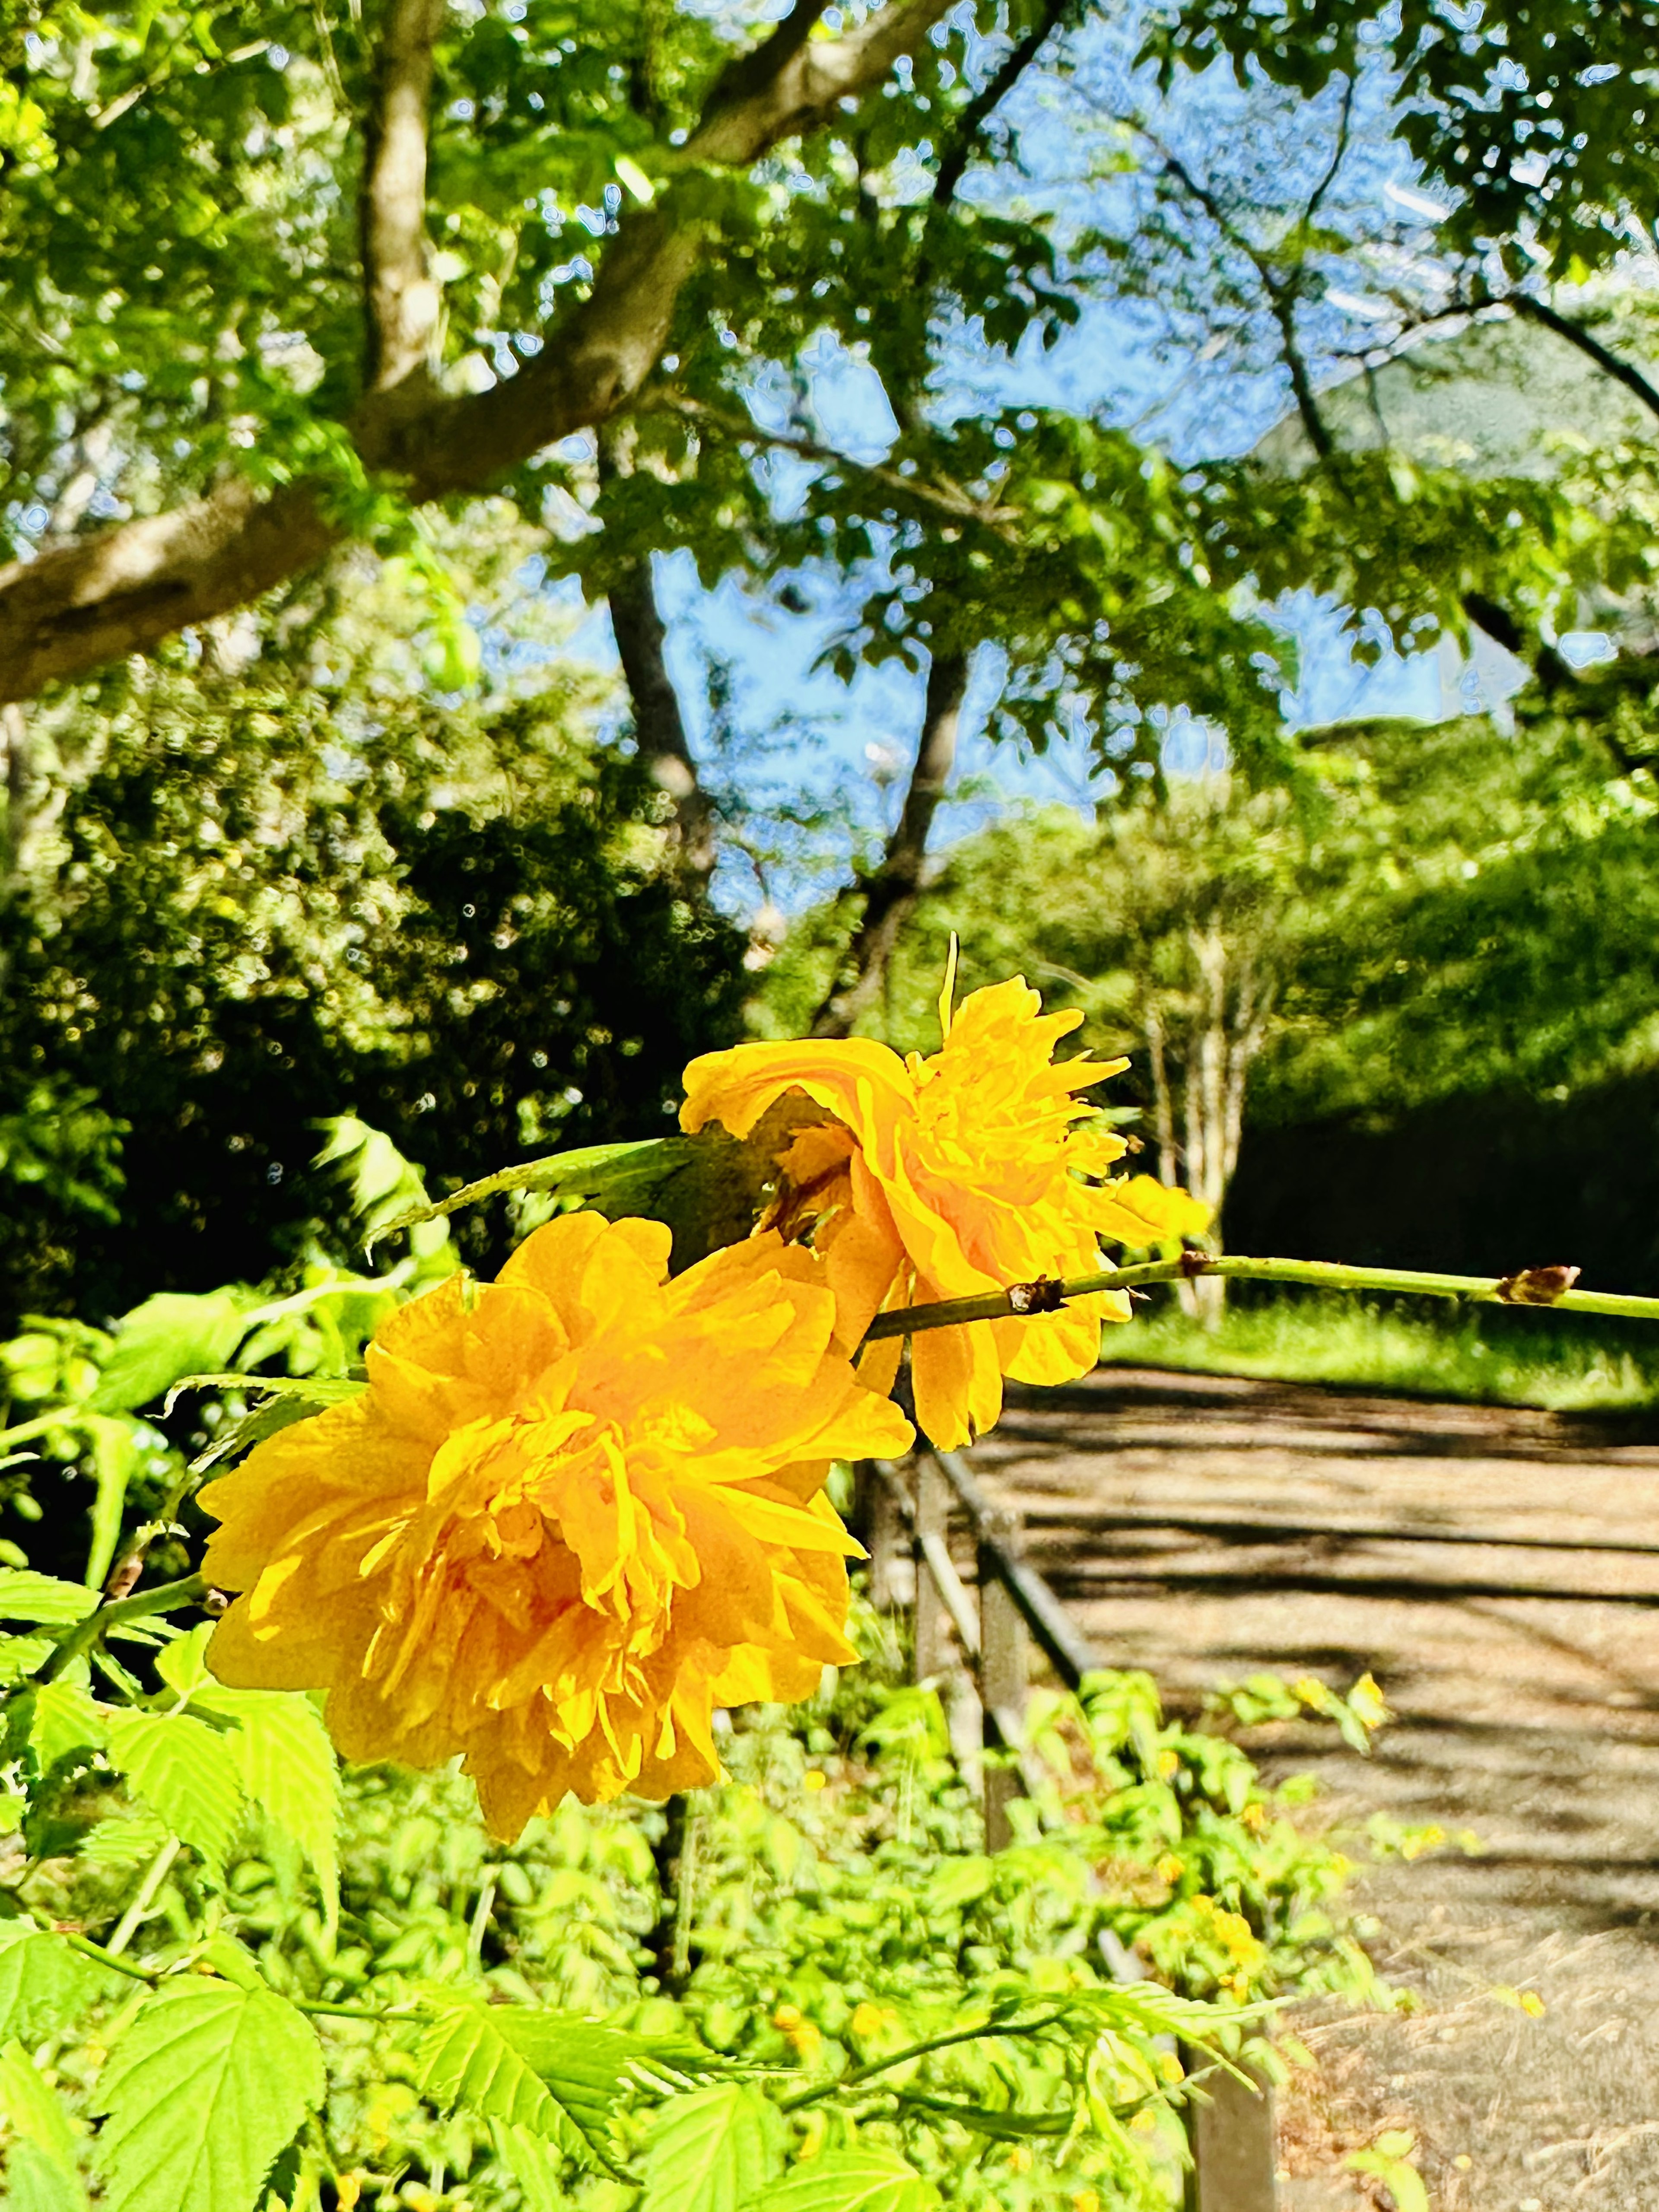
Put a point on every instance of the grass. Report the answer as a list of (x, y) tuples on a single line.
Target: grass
[(1491, 1357)]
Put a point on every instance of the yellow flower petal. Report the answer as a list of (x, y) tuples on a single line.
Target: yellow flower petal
[(573, 1511), (965, 1171)]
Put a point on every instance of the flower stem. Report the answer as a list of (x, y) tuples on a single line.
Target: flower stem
[(1024, 1299)]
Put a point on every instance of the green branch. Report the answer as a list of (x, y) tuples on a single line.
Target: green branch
[(165, 1597), (1534, 1286), (993, 2025)]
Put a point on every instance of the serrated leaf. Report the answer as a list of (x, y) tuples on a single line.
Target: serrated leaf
[(128, 1841), (532, 2164), (24, 1596), (580, 1175), (62, 1718), (288, 1769), (21, 1656), (169, 1335), (201, 2091), (854, 2181), (280, 1410), (713, 2150), (560, 2076), (45, 1985), (186, 1771)]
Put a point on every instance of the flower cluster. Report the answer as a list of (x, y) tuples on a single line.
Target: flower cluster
[(939, 1177), (577, 1511), (574, 1512)]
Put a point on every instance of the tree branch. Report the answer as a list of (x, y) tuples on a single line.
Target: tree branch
[(123, 590), (658, 725), (893, 889), (1281, 291), (400, 297), (948, 498), (1610, 363), (990, 96)]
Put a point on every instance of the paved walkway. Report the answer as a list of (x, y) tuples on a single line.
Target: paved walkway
[(1499, 1572)]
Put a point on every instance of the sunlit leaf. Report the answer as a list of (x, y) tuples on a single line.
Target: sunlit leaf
[(44, 1984), (201, 2091), (169, 1335), (712, 2151), (25, 1595), (854, 2181), (186, 1772)]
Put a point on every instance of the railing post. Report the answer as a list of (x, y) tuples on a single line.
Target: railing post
[(1004, 1671), (882, 1530), (933, 1519), (1234, 2147)]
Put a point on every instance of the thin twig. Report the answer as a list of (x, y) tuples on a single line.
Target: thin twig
[(1022, 1300), (132, 1918)]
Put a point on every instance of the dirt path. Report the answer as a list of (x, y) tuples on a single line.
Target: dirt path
[(1499, 1572)]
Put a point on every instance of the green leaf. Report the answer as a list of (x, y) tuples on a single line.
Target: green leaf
[(854, 2181), (708, 1188), (284, 1402), (39, 2123), (38, 2182), (62, 1718), (712, 2151), (578, 1175), (1403, 2182), (114, 1456), (288, 1770), (560, 2076), (24, 1596), (202, 2090), (128, 1840), (533, 2166), (187, 1772), (44, 1984), (169, 1335)]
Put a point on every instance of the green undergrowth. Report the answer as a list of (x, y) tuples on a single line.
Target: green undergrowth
[(756, 1948), (1562, 1363)]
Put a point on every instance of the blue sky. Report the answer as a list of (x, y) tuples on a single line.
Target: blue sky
[(805, 733)]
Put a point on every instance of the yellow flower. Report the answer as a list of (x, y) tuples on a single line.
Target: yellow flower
[(1170, 1868), (941, 1177), (1532, 2004), (574, 1512), (869, 2019), (798, 2030), (1366, 1703), (814, 1778)]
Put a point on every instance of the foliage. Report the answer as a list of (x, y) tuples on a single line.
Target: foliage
[(810, 1981), (269, 895), (567, 162), (838, 1992)]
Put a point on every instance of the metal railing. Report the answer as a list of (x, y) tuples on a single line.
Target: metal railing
[(980, 1641)]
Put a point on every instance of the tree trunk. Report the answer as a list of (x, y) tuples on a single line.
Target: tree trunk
[(892, 889), (658, 725)]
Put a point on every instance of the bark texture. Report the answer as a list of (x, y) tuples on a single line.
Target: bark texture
[(123, 590), (400, 296), (891, 891), (658, 725)]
